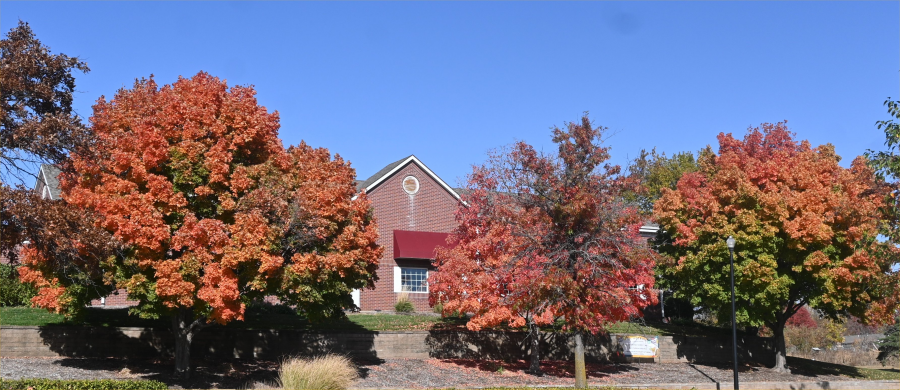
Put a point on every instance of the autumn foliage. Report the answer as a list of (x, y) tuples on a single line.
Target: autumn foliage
[(37, 123), (805, 227), (544, 236), (802, 318), (212, 210), (65, 253)]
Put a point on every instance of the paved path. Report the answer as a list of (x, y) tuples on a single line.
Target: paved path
[(434, 373)]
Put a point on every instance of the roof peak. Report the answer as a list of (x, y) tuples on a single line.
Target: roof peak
[(373, 181)]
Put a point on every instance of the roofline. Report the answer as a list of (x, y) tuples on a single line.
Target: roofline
[(649, 229), (44, 177), (403, 165)]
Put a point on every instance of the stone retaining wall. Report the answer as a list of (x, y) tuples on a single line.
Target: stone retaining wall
[(51, 341)]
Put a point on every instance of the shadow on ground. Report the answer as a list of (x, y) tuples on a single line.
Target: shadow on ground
[(206, 374), (816, 368), (221, 357), (554, 368)]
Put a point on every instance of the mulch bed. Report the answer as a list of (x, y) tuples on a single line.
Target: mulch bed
[(394, 373)]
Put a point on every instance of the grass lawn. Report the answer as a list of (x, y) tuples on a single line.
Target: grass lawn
[(282, 317), (812, 367), (679, 329), (266, 317), (27, 316)]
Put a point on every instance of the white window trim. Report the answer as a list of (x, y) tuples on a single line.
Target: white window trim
[(403, 184), (397, 282)]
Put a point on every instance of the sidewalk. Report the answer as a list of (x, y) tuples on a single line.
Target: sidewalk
[(434, 373), (824, 385)]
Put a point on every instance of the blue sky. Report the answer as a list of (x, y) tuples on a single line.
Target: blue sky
[(376, 82)]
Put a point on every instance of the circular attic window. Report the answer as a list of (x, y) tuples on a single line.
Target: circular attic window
[(411, 185)]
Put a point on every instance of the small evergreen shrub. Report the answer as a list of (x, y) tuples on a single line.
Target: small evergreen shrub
[(92, 384), (331, 372), (12, 291), (889, 346)]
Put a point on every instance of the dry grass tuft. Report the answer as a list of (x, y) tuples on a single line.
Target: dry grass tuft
[(856, 358), (404, 305), (323, 372)]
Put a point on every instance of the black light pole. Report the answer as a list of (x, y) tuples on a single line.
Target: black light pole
[(730, 243)]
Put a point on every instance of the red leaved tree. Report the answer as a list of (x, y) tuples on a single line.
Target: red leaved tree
[(37, 122), (38, 125), (803, 319), (212, 210), (542, 237)]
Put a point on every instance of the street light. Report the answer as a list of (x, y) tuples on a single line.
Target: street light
[(730, 243)]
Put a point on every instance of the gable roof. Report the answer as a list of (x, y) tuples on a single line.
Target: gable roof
[(363, 184), (375, 180), (648, 229), (49, 176)]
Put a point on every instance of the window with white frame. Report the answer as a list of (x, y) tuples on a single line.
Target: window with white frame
[(410, 279)]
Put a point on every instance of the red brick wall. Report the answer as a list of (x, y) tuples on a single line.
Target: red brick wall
[(116, 299), (429, 210)]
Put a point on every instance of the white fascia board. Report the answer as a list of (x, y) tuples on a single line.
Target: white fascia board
[(44, 176), (649, 229), (401, 166)]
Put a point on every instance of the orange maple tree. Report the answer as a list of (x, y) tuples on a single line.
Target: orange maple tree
[(213, 211), (542, 237), (806, 231)]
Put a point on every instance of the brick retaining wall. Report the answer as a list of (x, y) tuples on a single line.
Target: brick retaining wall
[(71, 341)]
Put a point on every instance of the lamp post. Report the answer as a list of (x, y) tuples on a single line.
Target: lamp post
[(730, 242)]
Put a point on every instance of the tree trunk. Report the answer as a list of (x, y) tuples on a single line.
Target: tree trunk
[(534, 332), (780, 348), (580, 373), (184, 326)]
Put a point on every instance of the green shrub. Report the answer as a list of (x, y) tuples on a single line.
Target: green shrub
[(439, 308), (12, 291), (403, 304), (93, 384), (889, 346), (324, 372), (826, 334)]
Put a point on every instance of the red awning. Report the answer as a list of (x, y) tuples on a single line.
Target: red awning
[(417, 245)]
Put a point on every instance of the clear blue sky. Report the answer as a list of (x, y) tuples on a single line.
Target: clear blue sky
[(375, 82)]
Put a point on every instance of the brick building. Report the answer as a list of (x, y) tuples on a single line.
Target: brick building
[(414, 209)]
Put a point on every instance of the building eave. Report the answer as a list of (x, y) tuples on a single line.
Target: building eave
[(423, 167)]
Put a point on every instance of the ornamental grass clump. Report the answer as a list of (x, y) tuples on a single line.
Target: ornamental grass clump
[(323, 372), (404, 305)]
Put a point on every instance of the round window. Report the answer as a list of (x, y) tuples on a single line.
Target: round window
[(411, 185)]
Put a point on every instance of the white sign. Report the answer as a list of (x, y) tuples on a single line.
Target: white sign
[(639, 346)]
